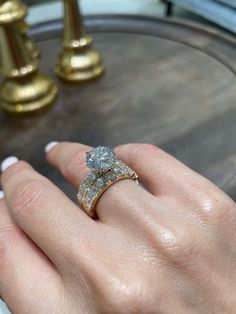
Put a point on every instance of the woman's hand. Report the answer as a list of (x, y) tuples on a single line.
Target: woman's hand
[(169, 249)]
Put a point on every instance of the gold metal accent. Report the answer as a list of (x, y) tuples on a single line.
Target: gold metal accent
[(14, 10), (79, 61), (24, 89), (92, 211), (11, 10), (89, 205), (32, 47)]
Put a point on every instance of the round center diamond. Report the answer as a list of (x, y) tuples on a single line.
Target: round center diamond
[(100, 158)]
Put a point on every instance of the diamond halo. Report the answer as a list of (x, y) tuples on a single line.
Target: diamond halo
[(100, 159)]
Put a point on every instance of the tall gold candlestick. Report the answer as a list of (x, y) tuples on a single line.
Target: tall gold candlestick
[(79, 61), (24, 89), (11, 10), (33, 49), (15, 10)]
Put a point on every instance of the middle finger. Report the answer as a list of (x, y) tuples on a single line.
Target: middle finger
[(44, 213)]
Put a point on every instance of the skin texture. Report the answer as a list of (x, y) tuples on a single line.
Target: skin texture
[(167, 249)]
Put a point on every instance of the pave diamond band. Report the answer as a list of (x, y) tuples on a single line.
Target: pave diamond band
[(97, 182)]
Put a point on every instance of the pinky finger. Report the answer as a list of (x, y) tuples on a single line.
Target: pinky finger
[(3, 307), (26, 275)]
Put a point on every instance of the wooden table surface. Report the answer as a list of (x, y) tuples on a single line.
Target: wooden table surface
[(168, 83)]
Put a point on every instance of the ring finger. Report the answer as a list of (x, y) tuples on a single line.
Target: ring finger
[(115, 204)]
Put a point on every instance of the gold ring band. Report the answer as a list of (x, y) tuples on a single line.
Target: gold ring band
[(96, 183)]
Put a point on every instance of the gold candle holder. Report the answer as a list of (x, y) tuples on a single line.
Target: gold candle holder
[(33, 49), (12, 10), (24, 89), (79, 61), (15, 10)]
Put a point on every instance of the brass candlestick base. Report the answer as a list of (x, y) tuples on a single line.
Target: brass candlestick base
[(80, 64), (28, 94), (79, 61)]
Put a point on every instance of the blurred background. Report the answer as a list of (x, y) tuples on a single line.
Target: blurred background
[(218, 13), (151, 7)]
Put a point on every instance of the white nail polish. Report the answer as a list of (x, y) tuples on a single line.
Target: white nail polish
[(50, 146), (9, 161), (1, 195)]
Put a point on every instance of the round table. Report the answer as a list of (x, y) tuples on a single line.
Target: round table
[(167, 82)]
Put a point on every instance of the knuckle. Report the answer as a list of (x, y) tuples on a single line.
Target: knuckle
[(177, 246), (139, 149), (141, 152), (27, 196), (170, 243), (145, 149), (136, 153), (131, 294), (217, 210)]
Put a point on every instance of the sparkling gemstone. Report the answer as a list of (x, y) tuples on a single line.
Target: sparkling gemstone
[(84, 188), (100, 158), (120, 171), (88, 204), (117, 170), (131, 172), (91, 177), (80, 195), (127, 169), (92, 193), (110, 176), (100, 183), (120, 168)]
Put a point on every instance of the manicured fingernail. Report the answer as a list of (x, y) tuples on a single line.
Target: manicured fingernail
[(9, 161), (50, 146), (1, 194)]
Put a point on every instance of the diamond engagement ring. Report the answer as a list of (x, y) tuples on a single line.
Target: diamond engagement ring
[(106, 170)]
